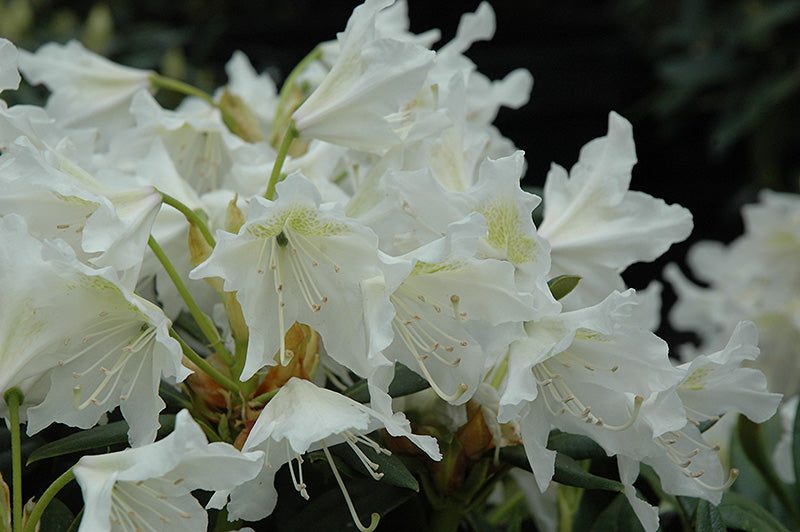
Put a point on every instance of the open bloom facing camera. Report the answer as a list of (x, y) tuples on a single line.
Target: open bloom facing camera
[(336, 292)]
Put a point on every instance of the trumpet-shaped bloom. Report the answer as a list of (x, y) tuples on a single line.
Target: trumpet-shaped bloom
[(596, 226), (589, 372), (87, 90), (359, 102), (456, 314), (303, 417), (59, 199), (97, 344), (297, 260), (149, 487)]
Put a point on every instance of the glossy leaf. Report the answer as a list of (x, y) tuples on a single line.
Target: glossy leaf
[(95, 438)]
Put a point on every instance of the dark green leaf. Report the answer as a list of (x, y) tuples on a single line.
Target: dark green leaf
[(95, 438), (174, 397), (617, 517), (708, 518), (56, 517), (562, 285), (405, 382), (327, 511), (575, 446), (568, 471), (750, 438), (741, 513), (394, 470)]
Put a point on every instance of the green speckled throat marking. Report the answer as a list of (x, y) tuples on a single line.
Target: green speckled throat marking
[(506, 231), (698, 380), (299, 218), (421, 268)]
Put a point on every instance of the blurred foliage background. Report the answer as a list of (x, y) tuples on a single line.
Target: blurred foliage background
[(712, 87)]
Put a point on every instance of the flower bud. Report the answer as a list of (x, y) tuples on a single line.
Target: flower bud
[(199, 251), (239, 117), (303, 342), (234, 217)]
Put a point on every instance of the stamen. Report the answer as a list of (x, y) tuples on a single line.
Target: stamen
[(732, 476), (298, 485), (375, 518), (369, 465)]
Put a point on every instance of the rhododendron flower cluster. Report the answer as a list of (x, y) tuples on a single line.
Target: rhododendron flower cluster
[(293, 265)]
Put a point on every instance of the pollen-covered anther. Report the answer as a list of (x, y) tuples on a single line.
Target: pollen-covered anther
[(695, 474), (62, 226), (450, 348), (336, 268), (463, 343)]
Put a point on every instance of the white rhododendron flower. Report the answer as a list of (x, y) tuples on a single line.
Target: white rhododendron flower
[(87, 90), (756, 278), (149, 487), (96, 344), (300, 418), (596, 226), (359, 102), (297, 260)]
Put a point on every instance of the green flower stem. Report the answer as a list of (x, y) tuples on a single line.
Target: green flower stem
[(13, 399), (275, 177), (46, 497), (286, 89), (203, 321), (163, 82), (207, 368), (264, 397), (190, 215)]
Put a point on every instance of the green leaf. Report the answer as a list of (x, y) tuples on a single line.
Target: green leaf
[(405, 382), (575, 446), (617, 517), (95, 438), (750, 438), (563, 284), (743, 514), (709, 518), (327, 511), (394, 470), (568, 471), (56, 517)]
